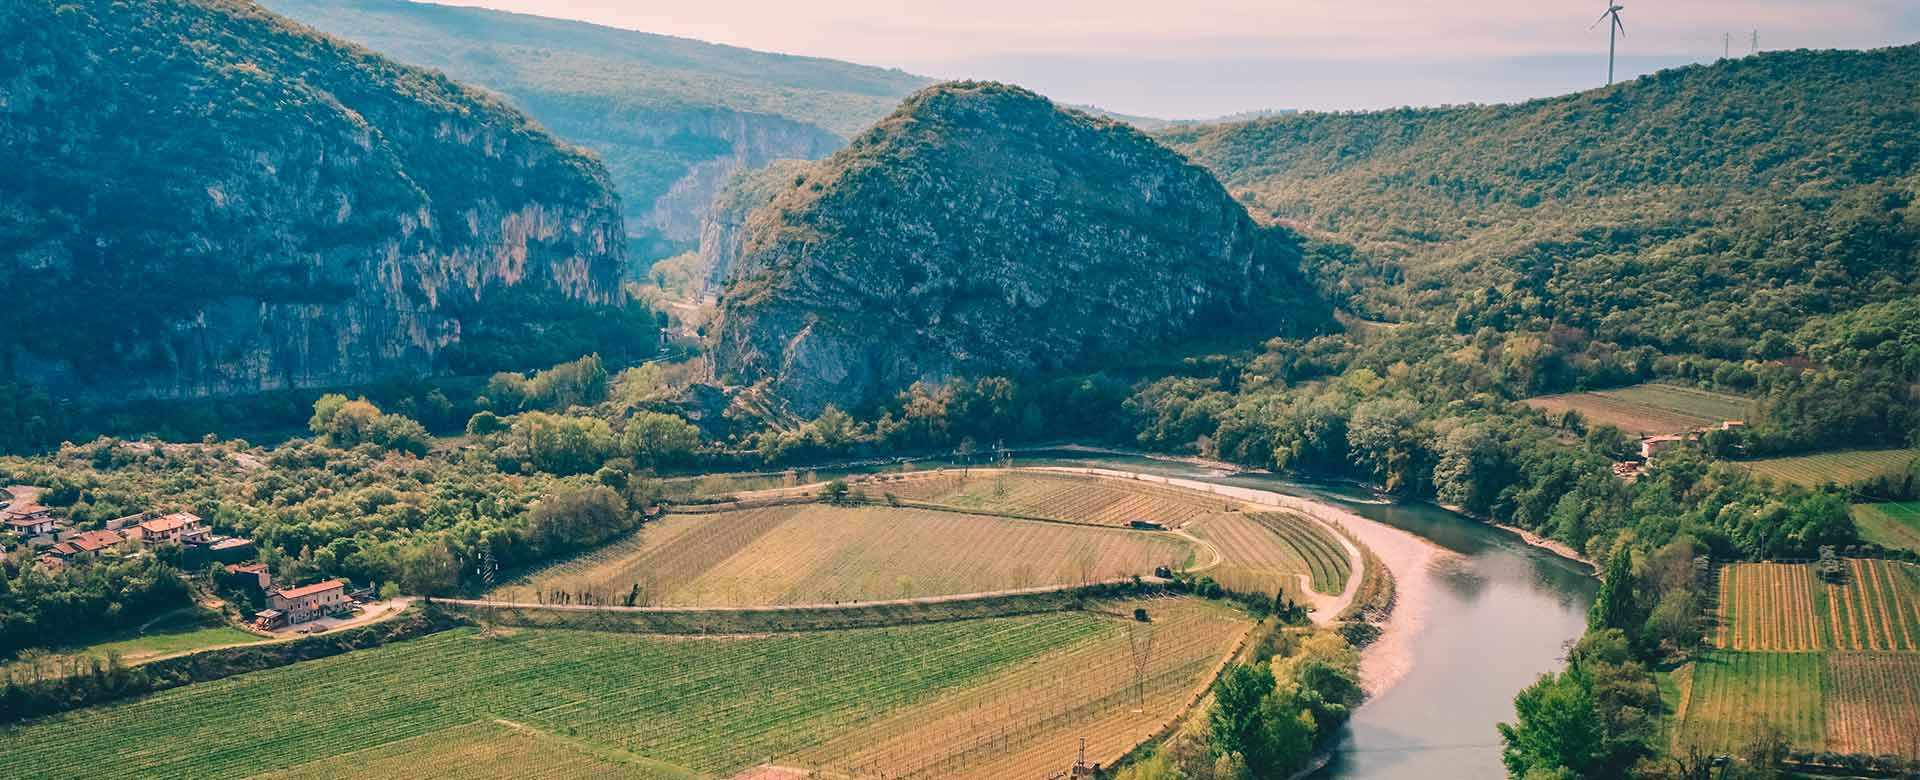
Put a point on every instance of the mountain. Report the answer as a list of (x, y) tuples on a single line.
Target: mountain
[(206, 199), (674, 119), (982, 230), (1708, 209)]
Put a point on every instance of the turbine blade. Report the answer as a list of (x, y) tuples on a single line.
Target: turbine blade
[(1596, 22), (1621, 27)]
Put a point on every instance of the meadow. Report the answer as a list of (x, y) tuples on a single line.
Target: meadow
[(1649, 409), (821, 553), (169, 635), (1844, 467), (1268, 552), (1893, 525), (556, 703)]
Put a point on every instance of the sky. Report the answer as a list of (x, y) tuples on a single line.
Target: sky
[(1205, 58)]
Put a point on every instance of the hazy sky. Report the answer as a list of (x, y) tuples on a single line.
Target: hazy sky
[(1186, 58)]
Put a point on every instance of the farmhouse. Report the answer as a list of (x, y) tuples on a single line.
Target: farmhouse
[(253, 574), (289, 606), (176, 527), (1654, 445)]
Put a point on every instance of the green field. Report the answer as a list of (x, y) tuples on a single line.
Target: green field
[(1649, 409), (1734, 697), (820, 553), (132, 649), (708, 705), (1071, 497), (1892, 525), (1843, 468)]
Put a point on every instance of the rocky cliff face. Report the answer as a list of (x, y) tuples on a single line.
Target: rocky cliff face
[(981, 230), (212, 200), (723, 229)]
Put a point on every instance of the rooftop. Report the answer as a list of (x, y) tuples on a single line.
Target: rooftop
[(308, 590), (170, 522)]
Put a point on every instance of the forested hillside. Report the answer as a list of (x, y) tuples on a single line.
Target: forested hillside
[(1710, 209), (673, 118), (982, 230), (205, 199)]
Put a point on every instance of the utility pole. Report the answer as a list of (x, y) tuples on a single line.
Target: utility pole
[(1726, 46), (1756, 43)]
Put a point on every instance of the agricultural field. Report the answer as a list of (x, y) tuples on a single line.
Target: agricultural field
[(820, 553), (1836, 666), (557, 703), (1267, 552), (1777, 607), (1649, 409), (1891, 525), (1070, 497), (1844, 467)]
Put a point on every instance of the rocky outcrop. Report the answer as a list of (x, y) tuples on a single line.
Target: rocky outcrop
[(723, 229), (982, 230), (212, 200)]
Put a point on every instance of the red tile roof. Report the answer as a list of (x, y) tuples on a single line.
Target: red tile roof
[(25, 509), (170, 522), (95, 540), (308, 590)]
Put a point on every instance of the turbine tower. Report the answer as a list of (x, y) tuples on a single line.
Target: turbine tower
[(1615, 31)]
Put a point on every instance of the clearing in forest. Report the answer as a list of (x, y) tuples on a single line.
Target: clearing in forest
[(614, 705), (1893, 525), (822, 553), (1071, 497), (1649, 409), (1268, 552), (1844, 467)]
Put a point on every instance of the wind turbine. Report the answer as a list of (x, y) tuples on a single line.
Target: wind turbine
[(1614, 31)]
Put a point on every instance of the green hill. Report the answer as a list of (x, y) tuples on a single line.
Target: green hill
[(674, 119), (1709, 208), (203, 199)]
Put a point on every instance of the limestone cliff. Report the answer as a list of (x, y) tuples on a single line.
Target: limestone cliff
[(207, 199), (982, 230), (723, 229)]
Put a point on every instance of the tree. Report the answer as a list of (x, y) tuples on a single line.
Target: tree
[(1554, 730), (1615, 606), (653, 438)]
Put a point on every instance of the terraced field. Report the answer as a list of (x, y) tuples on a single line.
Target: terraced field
[(1845, 467), (1268, 552), (1893, 525), (818, 553), (1645, 410), (575, 703), (1071, 497)]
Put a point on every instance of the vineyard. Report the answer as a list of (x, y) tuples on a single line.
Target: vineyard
[(1267, 552), (1079, 499), (1844, 467), (1645, 410), (1734, 697), (1116, 690), (1892, 525), (1784, 607), (619, 705), (819, 553), (1835, 665)]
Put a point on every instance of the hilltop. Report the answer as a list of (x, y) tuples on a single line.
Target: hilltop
[(674, 119), (206, 199), (982, 230), (1704, 209)]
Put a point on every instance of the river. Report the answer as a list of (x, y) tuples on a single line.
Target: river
[(1495, 613)]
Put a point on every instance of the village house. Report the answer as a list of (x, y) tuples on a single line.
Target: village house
[(27, 519), (176, 527), (1654, 445), (254, 574), (292, 606), (86, 545)]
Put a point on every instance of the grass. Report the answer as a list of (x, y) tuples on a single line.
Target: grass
[(170, 634), (1844, 467), (819, 553), (617, 704), (1267, 552), (1892, 525), (1736, 697), (1073, 498), (1645, 410)]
